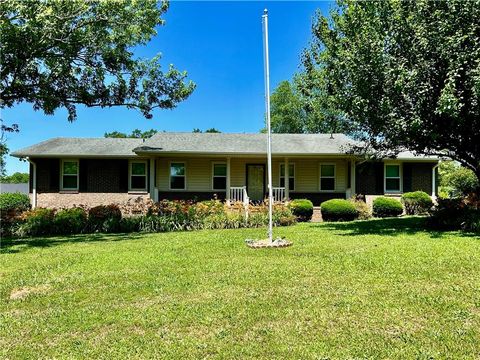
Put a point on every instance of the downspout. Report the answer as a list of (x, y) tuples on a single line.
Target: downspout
[(434, 181), (34, 183)]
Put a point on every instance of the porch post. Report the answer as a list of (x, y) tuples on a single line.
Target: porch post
[(152, 179), (227, 195), (352, 177), (287, 180)]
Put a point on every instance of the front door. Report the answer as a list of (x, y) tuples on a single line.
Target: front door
[(256, 182)]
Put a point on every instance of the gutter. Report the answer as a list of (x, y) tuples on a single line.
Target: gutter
[(34, 182), (434, 181)]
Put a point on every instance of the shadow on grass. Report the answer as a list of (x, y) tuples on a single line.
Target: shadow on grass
[(388, 227), (13, 245)]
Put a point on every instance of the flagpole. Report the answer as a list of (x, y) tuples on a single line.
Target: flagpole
[(267, 113)]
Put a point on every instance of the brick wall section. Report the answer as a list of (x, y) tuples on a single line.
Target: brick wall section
[(317, 198), (369, 178), (422, 177), (58, 200)]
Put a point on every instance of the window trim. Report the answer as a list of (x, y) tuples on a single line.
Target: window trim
[(400, 176), (62, 188), (130, 165), (289, 175), (170, 175), (327, 177), (219, 176)]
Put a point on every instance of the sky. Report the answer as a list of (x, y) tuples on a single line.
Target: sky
[(219, 44)]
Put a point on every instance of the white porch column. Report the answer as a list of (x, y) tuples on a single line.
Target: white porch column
[(434, 182), (34, 183), (227, 195), (152, 179), (287, 180), (352, 177)]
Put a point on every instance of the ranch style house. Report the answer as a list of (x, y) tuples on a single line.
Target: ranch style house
[(199, 166)]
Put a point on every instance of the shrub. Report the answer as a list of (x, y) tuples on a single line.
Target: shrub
[(104, 218), (36, 222), (362, 208), (456, 214), (417, 202), (11, 206), (302, 209), (387, 207), (456, 180), (14, 201), (338, 210), (130, 224), (70, 221)]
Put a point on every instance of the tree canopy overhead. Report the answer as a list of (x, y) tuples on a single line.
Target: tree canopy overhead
[(405, 74), (61, 53)]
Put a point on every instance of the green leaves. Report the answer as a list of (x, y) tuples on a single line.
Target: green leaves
[(403, 74), (60, 53)]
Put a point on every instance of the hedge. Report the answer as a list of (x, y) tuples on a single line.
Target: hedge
[(417, 202), (338, 210), (387, 207), (302, 209)]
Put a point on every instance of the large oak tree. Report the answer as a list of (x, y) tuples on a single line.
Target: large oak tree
[(405, 74), (61, 53)]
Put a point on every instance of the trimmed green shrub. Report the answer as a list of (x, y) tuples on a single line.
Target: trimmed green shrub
[(387, 207), (70, 221), (417, 202), (338, 210), (14, 201), (302, 209), (11, 206), (104, 218), (36, 222)]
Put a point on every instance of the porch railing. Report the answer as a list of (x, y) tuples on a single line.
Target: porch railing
[(278, 194), (239, 194)]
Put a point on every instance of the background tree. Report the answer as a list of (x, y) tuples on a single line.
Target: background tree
[(294, 110), (137, 133), (404, 74), (15, 178), (456, 180), (211, 130), (287, 112), (61, 53)]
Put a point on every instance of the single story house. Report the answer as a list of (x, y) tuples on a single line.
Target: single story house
[(198, 166)]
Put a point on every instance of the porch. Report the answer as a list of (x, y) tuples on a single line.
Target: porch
[(244, 179)]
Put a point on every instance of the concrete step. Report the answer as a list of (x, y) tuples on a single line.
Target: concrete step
[(317, 215)]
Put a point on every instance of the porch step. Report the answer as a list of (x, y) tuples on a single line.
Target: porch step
[(317, 215)]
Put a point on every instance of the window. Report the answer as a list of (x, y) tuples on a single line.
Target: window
[(177, 176), (219, 176), (327, 177), (69, 175), (138, 175), (291, 176), (392, 178)]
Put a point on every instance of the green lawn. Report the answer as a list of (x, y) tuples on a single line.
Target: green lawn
[(374, 289)]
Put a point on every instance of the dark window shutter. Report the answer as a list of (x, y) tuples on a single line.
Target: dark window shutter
[(379, 178), (30, 179), (83, 175), (123, 174), (407, 177), (55, 175)]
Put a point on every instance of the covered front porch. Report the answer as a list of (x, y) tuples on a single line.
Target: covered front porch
[(244, 179)]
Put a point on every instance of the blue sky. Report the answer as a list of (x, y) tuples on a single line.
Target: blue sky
[(220, 45)]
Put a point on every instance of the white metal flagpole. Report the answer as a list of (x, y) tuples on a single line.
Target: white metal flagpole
[(267, 111)]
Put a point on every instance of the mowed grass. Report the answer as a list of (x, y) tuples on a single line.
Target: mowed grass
[(372, 289)]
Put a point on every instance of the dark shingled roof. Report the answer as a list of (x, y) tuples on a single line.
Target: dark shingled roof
[(198, 143), (85, 147)]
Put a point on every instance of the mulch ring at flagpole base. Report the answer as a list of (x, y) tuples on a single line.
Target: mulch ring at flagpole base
[(265, 243)]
